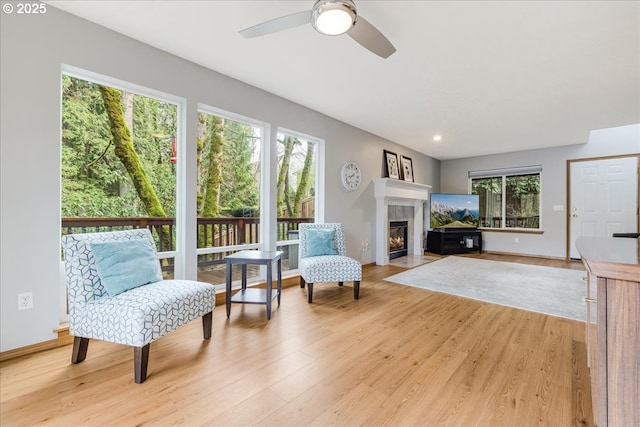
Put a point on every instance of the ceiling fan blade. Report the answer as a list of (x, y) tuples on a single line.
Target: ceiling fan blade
[(278, 24), (369, 37)]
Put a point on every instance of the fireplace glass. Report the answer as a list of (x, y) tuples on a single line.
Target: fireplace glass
[(398, 239)]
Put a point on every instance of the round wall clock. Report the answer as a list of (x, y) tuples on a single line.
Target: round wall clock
[(351, 176)]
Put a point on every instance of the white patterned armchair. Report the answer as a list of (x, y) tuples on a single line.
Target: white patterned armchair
[(323, 258), (117, 294)]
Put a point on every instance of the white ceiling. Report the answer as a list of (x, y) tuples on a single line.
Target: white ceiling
[(489, 76)]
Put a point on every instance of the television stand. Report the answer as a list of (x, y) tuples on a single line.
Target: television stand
[(454, 241)]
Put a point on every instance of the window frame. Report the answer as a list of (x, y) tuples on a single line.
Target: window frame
[(264, 144), (318, 182), (503, 174), (181, 106)]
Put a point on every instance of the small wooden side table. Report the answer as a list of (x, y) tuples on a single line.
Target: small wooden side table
[(252, 295)]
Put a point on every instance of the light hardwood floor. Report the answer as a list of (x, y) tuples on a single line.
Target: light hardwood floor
[(398, 356)]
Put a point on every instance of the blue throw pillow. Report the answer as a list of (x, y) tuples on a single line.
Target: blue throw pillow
[(320, 242), (127, 264)]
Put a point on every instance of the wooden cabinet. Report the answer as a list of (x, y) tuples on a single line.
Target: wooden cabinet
[(615, 347)]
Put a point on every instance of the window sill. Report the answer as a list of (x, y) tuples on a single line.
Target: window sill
[(513, 230)]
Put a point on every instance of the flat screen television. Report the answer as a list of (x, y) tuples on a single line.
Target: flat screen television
[(454, 211)]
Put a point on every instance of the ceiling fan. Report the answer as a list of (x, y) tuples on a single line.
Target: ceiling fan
[(332, 18)]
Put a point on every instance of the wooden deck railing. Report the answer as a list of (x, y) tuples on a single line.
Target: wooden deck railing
[(512, 222), (212, 232)]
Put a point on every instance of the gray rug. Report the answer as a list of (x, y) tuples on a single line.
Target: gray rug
[(554, 291)]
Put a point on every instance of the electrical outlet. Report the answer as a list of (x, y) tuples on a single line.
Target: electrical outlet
[(25, 301), (516, 240), (365, 245)]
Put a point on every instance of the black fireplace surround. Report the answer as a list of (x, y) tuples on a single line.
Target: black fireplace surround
[(398, 233)]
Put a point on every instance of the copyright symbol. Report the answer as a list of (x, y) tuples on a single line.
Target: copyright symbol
[(7, 8)]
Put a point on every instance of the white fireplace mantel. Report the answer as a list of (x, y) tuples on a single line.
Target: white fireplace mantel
[(389, 192)]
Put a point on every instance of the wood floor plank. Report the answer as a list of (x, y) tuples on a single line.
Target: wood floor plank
[(397, 356)]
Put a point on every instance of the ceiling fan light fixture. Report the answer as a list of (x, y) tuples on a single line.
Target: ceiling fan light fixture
[(332, 17)]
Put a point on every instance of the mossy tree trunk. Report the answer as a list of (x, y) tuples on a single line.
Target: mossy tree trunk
[(303, 184), (214, 168), (124, 150), (203, 120), (127, 114), (287, 198), (282, 194)]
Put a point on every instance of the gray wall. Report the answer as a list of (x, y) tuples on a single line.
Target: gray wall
[(33, 48), (606, 142)]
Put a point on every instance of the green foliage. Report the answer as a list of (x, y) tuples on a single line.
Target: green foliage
[(94, 180), (522, 185), (154, 129), (284, 202), (90, 171), (96, 183), (304, 180), (244, 212), (234, 148), (213, 163), (124, 149), (521, 196), (240, 186), (487, 185), (296, 174)]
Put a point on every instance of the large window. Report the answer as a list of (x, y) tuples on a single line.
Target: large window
[(251, 190), (296, 190), (228, 191), (118, 166), (509, 198)]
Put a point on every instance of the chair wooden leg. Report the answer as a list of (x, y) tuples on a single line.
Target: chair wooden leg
[(207, 323), (309, 292), (141, 361), (340, 283), (301, 282), (356, 289), (80, 346)]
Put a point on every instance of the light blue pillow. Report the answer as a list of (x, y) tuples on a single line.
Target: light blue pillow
[(320, 242), (127, 264)]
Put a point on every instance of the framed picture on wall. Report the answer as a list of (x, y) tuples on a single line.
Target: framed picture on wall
[(407, 168), (393, 169)]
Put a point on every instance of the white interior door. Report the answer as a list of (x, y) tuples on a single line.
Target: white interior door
[(603, 198)]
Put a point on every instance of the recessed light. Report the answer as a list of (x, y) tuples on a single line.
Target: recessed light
[(437, 138)]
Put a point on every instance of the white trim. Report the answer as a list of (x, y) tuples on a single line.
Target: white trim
[(124, 85), (495, 173), (389, 191), (320, 180), (506, 173), (179, 255), (167, 254), (219, 249), (268, 202), (267, 225), (288, 242), (180, 263), (208, 109)]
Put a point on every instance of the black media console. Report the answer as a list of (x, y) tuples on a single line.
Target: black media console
[(454, 241)]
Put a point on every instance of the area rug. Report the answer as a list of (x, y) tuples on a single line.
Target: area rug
[(554, 291)]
